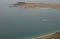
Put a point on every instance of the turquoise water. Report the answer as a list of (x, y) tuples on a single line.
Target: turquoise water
[(18, 23)]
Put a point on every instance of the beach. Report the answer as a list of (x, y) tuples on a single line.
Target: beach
[(55, 35), (43, 36)]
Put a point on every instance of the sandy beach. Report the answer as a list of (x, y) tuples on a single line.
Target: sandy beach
[(43, 36), (53, 35)]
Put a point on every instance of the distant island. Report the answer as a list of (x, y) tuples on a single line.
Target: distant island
[(50, 36), (36, 5)]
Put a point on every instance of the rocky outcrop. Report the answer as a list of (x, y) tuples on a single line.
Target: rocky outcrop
[(20, 3)]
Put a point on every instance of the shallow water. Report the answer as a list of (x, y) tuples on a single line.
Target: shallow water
[(18, 23)]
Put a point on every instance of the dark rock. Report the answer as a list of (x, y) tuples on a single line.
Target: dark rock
[(20, 3)]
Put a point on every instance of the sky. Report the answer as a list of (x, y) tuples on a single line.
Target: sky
[(37, 1)]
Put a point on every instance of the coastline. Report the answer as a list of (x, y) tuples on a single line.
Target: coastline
[(48, 35), (44, 35), (36, 5)]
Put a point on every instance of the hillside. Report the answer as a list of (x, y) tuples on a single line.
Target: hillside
[(37, 5)]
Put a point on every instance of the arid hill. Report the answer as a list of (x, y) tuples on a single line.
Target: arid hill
[(36, 5)]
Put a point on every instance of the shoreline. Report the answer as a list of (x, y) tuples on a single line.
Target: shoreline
[(42, 8), (44, 35)]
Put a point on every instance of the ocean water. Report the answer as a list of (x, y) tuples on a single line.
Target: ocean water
[(18, 23)]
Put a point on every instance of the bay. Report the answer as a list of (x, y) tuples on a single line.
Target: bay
[(18, 23)]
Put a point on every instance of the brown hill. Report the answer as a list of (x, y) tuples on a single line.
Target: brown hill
[(36, 5)]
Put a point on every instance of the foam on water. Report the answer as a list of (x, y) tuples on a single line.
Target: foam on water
[(44, 20)]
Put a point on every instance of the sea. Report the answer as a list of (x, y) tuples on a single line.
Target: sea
[(19, 23)]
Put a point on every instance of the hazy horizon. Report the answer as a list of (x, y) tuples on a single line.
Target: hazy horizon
[(31, 1)]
